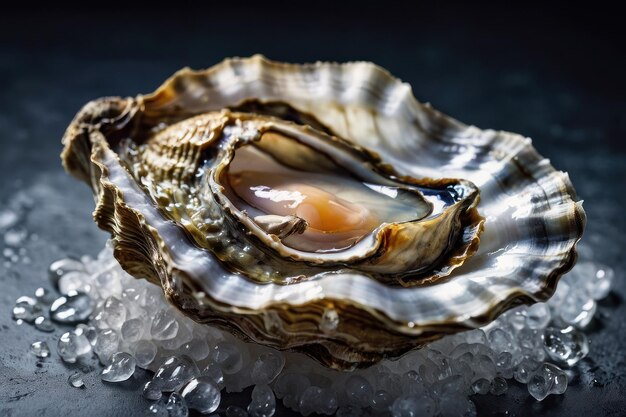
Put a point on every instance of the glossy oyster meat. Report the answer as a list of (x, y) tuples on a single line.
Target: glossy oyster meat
[(320, 208)]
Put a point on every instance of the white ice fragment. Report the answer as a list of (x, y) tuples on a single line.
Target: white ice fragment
[(176, 406), (498, 386), (525, 370), (114, 311), (197, 349), (145, 352), (310, 400), (90, 333), (174, 373), (202, 395), (108, 283), (359, 391), (263, 402), (548, 379), (413, 406), (565, 346), (578, 309), (72, 345), (501, 340), (132, 330), (481, 386), (107, 343), (267, 367), (380, 401), (164, 325), (214, 372), (538, 316), (182, 337), (227, 356), (437, 378), (121, 368)]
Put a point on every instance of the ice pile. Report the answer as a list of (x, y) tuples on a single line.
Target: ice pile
[(127, 323)]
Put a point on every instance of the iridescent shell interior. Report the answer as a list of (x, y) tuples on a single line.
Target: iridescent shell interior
[(320, 208)]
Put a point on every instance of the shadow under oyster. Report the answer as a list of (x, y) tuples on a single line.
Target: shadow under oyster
[(320, 208)]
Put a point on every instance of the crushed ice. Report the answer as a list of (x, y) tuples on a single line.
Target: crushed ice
[(128, 324)]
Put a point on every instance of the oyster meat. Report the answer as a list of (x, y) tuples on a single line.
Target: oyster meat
[(320, 208)]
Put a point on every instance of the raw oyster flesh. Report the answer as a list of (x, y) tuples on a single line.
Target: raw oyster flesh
[(320, 208)]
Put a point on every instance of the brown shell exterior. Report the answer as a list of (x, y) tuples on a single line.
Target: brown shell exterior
[(366, 332)]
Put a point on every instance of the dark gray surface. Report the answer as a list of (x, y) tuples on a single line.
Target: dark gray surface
[(554, 75)]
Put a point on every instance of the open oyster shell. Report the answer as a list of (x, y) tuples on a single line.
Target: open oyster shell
[(172, 173)]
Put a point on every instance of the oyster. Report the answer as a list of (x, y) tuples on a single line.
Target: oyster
[(322, 209)]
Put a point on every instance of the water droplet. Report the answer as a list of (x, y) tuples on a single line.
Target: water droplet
[(44, 324), (121, 368), (59, 268), (73, 308), (44, 296), (602, 281), (8, 218), (40, 349), (26, 309), (76, 380), (74, 281), (201, 394)]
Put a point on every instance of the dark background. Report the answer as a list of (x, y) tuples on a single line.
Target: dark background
[(554, 73)]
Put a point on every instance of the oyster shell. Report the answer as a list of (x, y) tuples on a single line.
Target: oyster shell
[(202, 185)]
